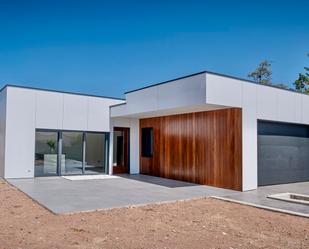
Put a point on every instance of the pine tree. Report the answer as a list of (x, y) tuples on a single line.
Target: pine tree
[(262, 74), (302, 83)]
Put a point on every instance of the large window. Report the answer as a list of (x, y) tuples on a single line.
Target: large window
[(96, 148), (46, 151), (70, 153), (147, 142)]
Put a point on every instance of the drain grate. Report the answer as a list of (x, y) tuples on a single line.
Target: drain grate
[(291, 197)]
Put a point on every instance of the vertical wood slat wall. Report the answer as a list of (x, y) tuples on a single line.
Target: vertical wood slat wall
[(201, 147)]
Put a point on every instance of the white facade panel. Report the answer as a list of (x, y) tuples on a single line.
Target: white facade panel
[(20, 133), (279, 105), (98, 113), (75, 112), (288, 106), (176, 94), (223, 91), (119, 110), (134, 145), (249, 137), (267, 103), (2, 130), (304, 108), (298, 108), (142, 101), (183, 92), (49, 110)]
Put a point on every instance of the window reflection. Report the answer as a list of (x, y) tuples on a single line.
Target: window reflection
[(95, 153), (46, 150), (72, 153)]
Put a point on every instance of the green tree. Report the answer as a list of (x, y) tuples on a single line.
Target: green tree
[(302, 83), (262, 74), (307, 68)]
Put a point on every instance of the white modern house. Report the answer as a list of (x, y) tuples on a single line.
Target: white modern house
[(205, 128)]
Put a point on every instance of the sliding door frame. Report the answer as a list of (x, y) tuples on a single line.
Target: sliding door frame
[(59, 148)]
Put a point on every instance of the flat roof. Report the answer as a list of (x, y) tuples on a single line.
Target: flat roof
[(218, 74), (56, 91), (152, 85)]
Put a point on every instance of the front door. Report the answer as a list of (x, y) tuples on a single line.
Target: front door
[(121, 150)]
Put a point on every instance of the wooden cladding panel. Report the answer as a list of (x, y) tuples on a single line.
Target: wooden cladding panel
[(201, 147)]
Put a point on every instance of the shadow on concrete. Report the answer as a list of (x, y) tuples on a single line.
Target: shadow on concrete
[(157, 180)]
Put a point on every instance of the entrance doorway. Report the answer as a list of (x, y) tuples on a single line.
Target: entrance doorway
[(121, 150)]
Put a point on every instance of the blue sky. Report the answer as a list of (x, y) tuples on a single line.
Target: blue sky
[(107, 48)]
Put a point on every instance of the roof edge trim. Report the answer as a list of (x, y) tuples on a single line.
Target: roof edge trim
[(57, 91)]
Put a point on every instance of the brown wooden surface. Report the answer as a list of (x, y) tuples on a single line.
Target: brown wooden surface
[(201, 147), (121, 169)]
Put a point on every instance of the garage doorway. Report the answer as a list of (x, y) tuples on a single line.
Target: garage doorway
[(283, 153)]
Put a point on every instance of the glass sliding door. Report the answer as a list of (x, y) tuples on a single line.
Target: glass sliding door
[(95, 153), (46, 153), (72, 153)]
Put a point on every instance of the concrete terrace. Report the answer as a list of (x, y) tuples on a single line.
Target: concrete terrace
[(62, 196)]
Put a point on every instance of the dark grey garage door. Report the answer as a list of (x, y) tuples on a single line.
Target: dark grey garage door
[(283, 153)]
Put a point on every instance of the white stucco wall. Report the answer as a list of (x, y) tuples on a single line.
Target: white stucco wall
[(29, 109)]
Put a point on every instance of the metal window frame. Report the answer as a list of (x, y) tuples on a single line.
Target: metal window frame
[(84, 139), (58, 137)]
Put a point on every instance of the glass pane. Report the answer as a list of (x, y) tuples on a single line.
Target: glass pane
[(147, 142), (118, 150), (46, 148), (72, 153), (95, 153)]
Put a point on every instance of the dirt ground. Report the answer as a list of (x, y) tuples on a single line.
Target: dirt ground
[(204, 223)]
